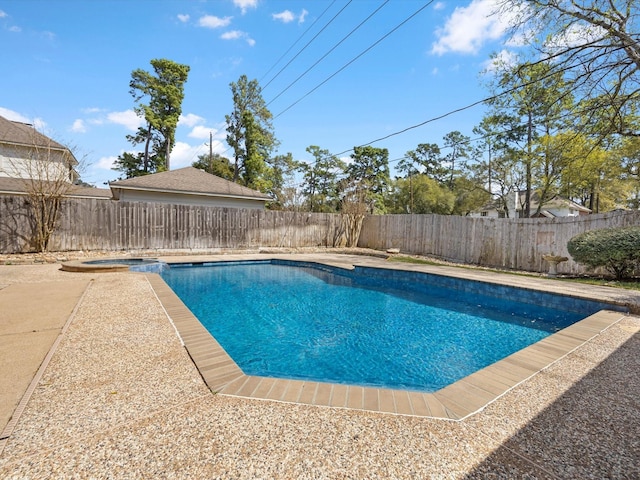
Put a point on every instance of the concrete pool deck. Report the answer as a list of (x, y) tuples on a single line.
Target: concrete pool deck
[(121, 397)]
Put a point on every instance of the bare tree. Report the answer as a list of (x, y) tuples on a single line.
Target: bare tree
[(353, 208), (46, 171), (597, 45)]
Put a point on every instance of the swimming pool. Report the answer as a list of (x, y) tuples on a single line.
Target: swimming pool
[(367, 326)]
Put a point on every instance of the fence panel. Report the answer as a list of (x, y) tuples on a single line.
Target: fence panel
[(517, 244), (92, 224)]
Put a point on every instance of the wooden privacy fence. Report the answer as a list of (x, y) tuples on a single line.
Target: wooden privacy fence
[(93, 224), (517, 244)]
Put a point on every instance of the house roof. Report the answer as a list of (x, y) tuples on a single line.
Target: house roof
[(554, 202), (18, 133), (558, 202), (20, 186), (187, 180)]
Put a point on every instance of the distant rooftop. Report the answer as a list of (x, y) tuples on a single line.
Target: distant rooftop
[(25, 134), (188, 180), (20, 186)]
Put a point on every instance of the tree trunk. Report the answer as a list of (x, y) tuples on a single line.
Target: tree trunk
[(145, 166)]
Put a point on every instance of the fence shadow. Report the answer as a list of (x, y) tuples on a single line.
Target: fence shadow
[(16, 225), (592, 431)]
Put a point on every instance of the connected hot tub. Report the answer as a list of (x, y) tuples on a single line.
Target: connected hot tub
[(115, 265)]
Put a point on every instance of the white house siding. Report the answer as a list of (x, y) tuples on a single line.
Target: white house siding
[(18, 162)]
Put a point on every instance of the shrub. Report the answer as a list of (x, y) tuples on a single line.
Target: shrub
[(615, 249)]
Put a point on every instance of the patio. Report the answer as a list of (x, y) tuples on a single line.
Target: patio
[(120, 397)]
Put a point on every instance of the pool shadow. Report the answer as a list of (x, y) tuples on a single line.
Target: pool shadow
[(591, 431)]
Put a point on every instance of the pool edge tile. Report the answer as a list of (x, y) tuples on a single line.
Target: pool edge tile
[(454, 402)]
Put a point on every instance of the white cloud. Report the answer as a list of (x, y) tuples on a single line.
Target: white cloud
[(211, 21), (15, 29), (245, 4), (106, 163), (203, 132), (92, 110), (439, 6), (469, 28), (190, 119), (3, 14), (232, 35), (200, 131), (79, 126), (38, 123), (128, 119), (183, 154), (184, 18), (13, 116), (575, 35), (237, 35), (285, 16), (504, 58)]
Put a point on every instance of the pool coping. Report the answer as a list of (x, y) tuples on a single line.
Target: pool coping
[(457, 401)]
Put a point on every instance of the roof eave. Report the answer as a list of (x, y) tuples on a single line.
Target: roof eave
[(185, 192)]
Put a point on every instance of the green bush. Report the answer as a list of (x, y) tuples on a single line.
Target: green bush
[(615, 249)]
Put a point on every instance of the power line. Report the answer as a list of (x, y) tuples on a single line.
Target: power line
[(356, 58), (329, 52), (309, 42), (467, 107), (294, 44)]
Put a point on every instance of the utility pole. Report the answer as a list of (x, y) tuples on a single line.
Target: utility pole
[(211, 151)]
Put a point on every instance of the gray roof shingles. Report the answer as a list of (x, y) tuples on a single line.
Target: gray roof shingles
[(18, 133), (189, 180), (21, 186)]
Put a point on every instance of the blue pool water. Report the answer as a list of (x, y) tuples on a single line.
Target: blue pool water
[(370, 327)]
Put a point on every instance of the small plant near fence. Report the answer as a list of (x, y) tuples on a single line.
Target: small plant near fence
[(617, 250)]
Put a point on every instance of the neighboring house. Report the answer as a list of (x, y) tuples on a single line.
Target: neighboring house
[(188, 186), (32, 162), (22, 186), (26, 153), (556, 206)]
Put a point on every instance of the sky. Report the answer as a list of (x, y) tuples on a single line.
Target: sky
[(334, 73)]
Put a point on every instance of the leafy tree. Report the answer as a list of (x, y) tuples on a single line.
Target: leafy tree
[(368, 174), (537, 97), (320, 180), (497, 131), (158, 96), (215, 164), (459, 149), (468, 194), (420, 194), (129, 164), (597, 44), (594, 176), (407, 166), (629, 152), (552, 160), (282, 169), (250, 134), (427, 156)]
